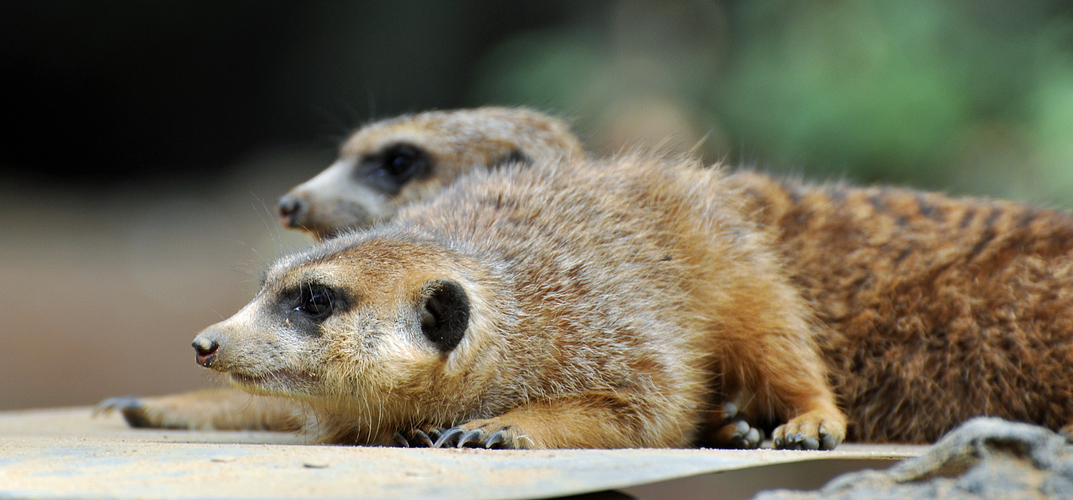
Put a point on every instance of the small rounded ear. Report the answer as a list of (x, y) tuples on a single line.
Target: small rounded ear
[(444, 313)]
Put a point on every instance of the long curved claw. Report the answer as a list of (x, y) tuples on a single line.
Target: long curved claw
[(482, 436), (475, 437), (449, 437)]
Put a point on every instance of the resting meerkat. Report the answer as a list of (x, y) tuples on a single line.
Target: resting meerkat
[(935, 309), (560, 305), (381, 168), (932, 309), (391, 163)]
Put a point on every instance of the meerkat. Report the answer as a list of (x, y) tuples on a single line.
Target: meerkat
[(569, 304), (391, 163), (935, 309), (931, 309), (381, 168)]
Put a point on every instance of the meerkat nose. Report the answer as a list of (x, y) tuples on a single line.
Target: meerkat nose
[(290, 209), (206, 350)]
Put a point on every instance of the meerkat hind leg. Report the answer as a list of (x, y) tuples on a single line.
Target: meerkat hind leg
[(218, 409), (735, 431)]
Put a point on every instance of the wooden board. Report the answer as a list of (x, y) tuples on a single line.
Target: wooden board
[(65, 453)]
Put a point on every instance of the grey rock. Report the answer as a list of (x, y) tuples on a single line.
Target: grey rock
[(983, 458)]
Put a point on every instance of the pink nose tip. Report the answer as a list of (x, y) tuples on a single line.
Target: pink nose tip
[(205, 349), (290, 209)]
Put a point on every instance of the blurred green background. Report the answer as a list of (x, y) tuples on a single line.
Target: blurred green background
[(142, 144)]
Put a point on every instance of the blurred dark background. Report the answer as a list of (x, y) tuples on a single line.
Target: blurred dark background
[(143, 144)]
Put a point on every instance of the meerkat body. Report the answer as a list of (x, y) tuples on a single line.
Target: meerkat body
[(561, 305), (391, 163), (936, 309), (931, 309)]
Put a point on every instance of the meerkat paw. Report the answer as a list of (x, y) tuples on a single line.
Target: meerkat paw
[(132, 408), (811, 431), (477, 434), (736, 432), (419, 438)]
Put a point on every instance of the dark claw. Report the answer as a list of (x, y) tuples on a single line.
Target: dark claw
[(741, 428), (751, 439), (449, 437), (421, 438), (476, 436), (119, 403), (827, 442), (498, 440), (131, 407), (434, 434), (400, 440), (798, 441), (730, 410)]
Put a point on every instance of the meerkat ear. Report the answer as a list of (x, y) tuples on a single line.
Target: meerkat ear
[(515, 156), (444, 313)]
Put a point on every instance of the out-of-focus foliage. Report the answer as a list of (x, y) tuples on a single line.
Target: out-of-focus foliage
[(971, 96)]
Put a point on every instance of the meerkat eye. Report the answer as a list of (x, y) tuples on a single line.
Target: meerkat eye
[(399, 162), (315, 301), (395, 167)]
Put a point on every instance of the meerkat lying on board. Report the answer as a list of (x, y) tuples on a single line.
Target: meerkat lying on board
[(936, 309), (933, 309), (562, 305)]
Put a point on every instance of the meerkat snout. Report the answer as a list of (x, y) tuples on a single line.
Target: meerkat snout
[(205, 346), (291, 209)]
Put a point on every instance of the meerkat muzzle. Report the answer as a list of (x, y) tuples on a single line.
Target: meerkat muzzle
[(291, 210), (206, 350)]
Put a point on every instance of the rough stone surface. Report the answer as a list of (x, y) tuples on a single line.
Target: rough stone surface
[(983, 458)]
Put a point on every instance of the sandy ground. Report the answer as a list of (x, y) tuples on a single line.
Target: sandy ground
[(66, 453)]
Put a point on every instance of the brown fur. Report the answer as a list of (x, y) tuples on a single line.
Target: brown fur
[(650, 301), (352, 192), (937, 309), (933, 309)]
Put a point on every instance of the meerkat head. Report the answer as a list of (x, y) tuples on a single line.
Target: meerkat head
[(371, 328), (395, 162)]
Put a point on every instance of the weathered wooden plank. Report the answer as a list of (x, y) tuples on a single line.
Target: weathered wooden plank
[(66, 453)]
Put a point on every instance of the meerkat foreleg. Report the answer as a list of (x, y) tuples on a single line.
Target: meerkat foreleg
[(597, 420)]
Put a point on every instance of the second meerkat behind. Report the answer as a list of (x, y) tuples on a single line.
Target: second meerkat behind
[(392, 163)]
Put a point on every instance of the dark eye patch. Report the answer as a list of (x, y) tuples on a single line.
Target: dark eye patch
[(394, 166), (314, 302)]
